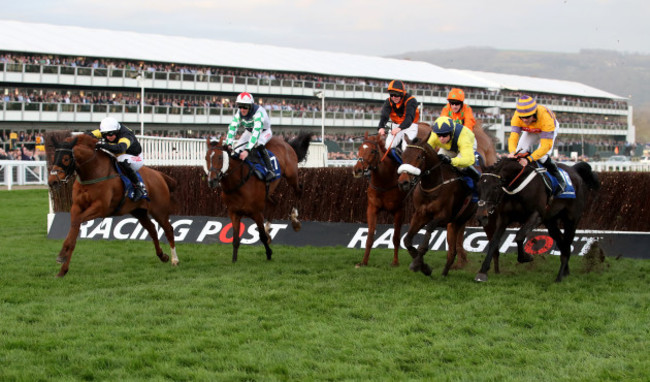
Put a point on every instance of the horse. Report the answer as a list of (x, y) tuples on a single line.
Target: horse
[(383, 192), (98, 192), (440, 197), (244, 194), (511, 193)]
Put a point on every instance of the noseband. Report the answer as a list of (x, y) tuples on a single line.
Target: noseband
[(375, 155)]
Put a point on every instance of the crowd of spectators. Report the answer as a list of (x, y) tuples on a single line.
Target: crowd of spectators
[(12, 58)]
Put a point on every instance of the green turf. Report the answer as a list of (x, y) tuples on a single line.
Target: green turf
[(309, 314)]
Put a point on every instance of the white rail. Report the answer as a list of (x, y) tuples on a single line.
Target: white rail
[(22, 172)]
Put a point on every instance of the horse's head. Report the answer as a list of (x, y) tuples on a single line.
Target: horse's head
[(368, 156), (492, 187), (217, 161), (418, 158), (64, 163)]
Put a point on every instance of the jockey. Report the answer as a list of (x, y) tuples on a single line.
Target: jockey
[(457, 110), (456, 144), (257, 125), (121, 141), (540, 128), (402, 109)]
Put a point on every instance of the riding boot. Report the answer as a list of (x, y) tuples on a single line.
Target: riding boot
[(473, 173), (270, 174), (553, 170), (398, 151), (139, 190)]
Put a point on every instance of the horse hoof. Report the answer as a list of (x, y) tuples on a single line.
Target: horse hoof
[(164, 257), (61, 274), (426, 269), (360, 265), (394, 265), (175, 263), (414, 268), (481, 277), (61, 259), (523, 260)]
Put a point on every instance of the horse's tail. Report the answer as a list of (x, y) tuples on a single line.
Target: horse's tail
[(591, 178), (300, 145)]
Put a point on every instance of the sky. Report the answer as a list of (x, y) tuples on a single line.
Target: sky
[(367, 27)]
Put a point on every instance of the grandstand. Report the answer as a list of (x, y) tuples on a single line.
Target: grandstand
[(63, 77)]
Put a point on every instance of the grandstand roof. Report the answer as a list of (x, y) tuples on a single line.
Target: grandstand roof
[(78, 41), (538, 85)]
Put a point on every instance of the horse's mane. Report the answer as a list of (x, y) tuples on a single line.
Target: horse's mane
[(501, 164), (83, 139)]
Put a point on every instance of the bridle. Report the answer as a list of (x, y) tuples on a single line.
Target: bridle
[(375, 158), (221, 173), (415, 178)]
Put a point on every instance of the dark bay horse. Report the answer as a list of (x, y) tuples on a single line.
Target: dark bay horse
[(244, 194), (383, 192), (98, 192), (510, 193), (440, 197)]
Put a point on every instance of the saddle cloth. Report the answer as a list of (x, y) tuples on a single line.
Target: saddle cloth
[(259, 167), (128, 185)]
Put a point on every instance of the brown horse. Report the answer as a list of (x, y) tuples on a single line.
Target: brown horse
[(441, 198), (244, 194), (98, 192), (511, 193), (383, 193)]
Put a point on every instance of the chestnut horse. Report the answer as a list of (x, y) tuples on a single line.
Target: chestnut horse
[(511, 193), (441, 198), (383, 193), (98, 192), (244, 194)]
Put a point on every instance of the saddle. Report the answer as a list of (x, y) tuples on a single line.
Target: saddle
[(259, 168), (552, 184)]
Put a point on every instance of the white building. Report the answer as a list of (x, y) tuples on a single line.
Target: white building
[(197, 76)]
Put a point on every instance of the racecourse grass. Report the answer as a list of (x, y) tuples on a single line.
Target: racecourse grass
[(308, 314)]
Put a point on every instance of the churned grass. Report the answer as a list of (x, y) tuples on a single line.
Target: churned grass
[(308, 314)]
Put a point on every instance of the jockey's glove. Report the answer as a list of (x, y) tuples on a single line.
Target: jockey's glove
[(444, 158), (111, 148)]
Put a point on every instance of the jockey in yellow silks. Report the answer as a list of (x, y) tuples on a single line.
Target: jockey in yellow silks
[(534, 125), (456, 144)]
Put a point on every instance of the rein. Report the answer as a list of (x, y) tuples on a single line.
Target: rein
[(430, 170), (375, 152)]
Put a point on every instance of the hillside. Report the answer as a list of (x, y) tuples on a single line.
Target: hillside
[(623, 74)]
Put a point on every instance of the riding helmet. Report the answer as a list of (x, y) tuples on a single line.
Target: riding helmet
[(456, 94), (108, 124), (443, 126), (526, 106), (397, 86), (245, 98)]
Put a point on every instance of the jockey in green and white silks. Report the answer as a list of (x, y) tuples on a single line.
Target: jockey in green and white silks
[(257, 130)]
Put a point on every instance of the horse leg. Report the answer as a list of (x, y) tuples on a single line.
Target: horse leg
[(235, 219), (371, 215), (398, 220), (163, 221), (564, 244), (424, 247), (533, 221), (461, 254), (295, 223), (417, 222), (453, 231), (77, 216), (492, 251), (264, 237), (143, 218)]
